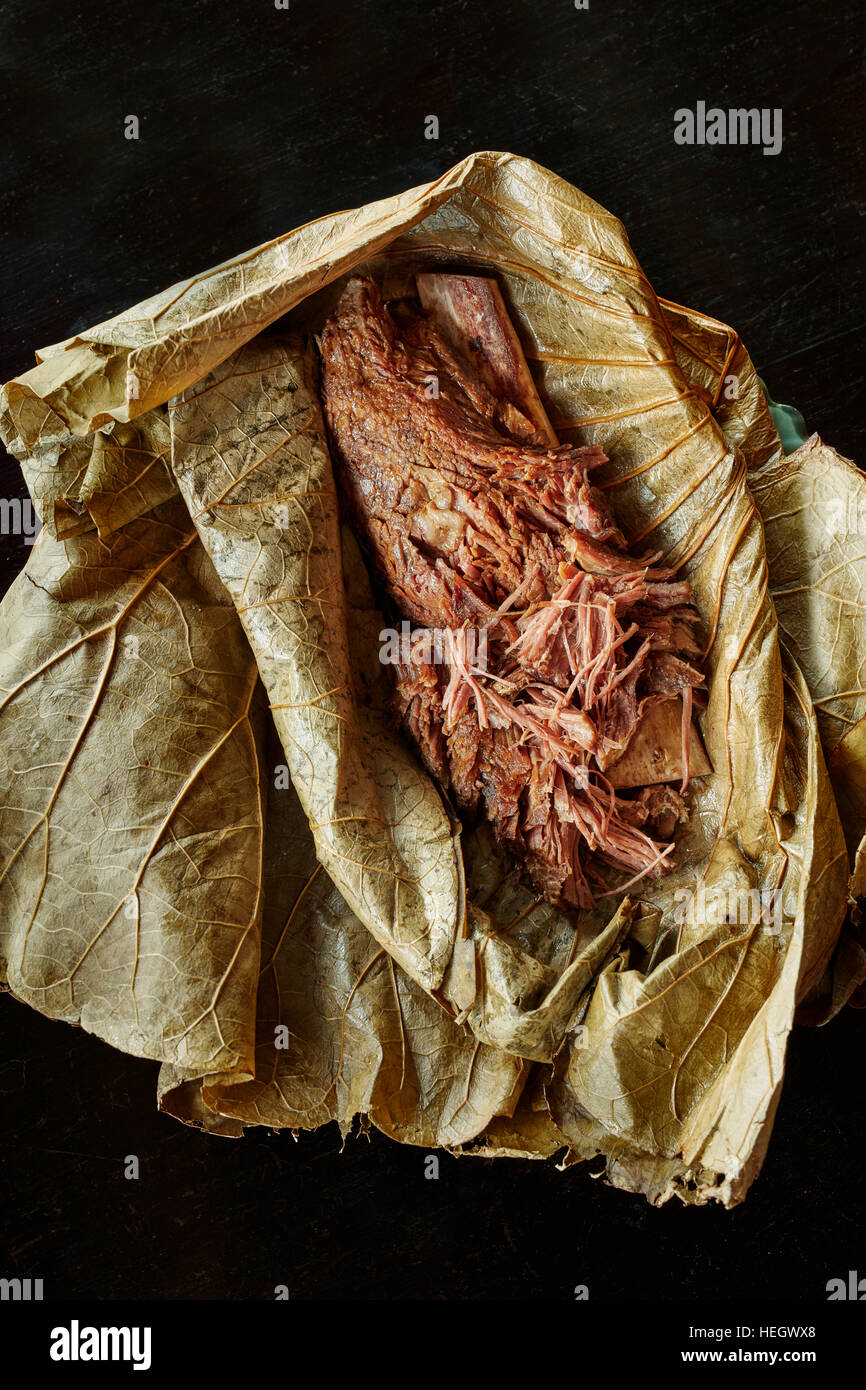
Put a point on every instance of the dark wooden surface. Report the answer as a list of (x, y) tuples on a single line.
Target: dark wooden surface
[(253, 120)]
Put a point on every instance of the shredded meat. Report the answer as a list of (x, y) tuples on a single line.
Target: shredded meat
[(475, 527)]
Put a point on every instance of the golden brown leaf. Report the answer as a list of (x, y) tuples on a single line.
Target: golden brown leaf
[(361, 1038), (249, 454), (130, 825)]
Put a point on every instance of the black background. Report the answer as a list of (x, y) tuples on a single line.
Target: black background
[(253, 120)]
